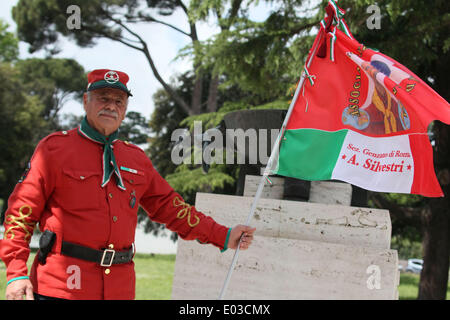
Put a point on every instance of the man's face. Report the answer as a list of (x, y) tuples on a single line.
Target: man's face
[(105, 109)]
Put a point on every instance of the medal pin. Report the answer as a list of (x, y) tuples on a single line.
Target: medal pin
[(133, 199)]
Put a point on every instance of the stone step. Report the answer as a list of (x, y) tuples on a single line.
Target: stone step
[(362, 227), (330, 192), (321, 191), (278, 268), (273, 191)]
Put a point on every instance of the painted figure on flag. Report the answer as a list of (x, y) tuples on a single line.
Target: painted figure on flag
[(381, 113)]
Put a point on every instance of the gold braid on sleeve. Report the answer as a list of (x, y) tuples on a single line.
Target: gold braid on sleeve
[(20, 222), (185, 212)]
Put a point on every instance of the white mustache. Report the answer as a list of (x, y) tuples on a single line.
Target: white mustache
[(108, 113)]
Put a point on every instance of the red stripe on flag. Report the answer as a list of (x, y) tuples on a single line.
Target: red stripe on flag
[(425, 181)]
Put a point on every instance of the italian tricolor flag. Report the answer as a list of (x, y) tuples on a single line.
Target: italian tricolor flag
[(362, 117)]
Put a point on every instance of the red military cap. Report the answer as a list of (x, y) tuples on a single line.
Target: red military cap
[(107, 78)]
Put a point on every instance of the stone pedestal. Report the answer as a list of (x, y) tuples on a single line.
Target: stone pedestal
[(321, 191), (301, 250)]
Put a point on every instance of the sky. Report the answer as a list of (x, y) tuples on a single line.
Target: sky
[(164, 45)]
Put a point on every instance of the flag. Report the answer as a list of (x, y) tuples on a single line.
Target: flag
[(361, 117)]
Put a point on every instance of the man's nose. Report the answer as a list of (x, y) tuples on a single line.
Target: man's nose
[(110, 105)]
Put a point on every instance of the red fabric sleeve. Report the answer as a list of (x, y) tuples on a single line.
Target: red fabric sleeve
[(164, 205), (24, 210)]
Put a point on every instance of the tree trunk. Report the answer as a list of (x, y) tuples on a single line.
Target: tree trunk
[(196, 102), (212, 95), (436, 240)]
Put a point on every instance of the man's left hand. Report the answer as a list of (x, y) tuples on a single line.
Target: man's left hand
[(235, 235)]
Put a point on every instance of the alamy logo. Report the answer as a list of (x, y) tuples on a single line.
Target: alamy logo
[(374, 20), (374, 280), (74, 280), (74, 20), (251, 146)]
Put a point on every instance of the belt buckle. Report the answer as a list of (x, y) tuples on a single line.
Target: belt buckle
[(107, 253)]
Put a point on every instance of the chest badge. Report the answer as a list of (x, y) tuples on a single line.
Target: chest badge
[(132, 199), (129, 170)]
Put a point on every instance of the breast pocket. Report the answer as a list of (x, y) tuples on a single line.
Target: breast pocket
[(81, 190)]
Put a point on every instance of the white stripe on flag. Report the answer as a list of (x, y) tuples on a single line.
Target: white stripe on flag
[(383, 164)]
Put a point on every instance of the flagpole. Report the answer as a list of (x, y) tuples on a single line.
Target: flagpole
[(273, 155)]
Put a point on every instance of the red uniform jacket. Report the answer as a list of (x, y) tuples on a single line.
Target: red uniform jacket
[(62, 192)]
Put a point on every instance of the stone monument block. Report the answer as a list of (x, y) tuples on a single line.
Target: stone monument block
[(301, 251)]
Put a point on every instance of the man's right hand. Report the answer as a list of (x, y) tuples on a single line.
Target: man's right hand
[(19, 288)]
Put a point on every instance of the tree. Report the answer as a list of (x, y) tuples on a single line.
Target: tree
[(166, 118), (31, 94), (9, 44), (134, 127), (19, 121), (262, 58), (260, 81), (54, 82), (19, 116), (40, 22)]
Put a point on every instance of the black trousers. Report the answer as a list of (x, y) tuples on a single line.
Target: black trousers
[(41, 297)]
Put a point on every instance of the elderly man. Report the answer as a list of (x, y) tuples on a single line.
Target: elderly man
[(84, 187)]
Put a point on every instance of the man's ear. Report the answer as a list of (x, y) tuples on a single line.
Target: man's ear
[(126, 109), (85, 100)]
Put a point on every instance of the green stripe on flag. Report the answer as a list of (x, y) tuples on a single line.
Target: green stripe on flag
[(309, 154)]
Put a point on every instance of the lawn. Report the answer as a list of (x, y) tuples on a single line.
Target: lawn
[(154, 274), (409, 286)]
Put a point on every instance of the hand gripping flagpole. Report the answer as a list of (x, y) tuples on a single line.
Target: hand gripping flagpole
[(269, 166)]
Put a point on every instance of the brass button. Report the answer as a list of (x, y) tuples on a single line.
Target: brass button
[(110, 195), (107, 271), (110, 246), (114, 218)]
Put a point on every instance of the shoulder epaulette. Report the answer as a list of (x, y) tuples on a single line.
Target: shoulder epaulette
[(56, 134), (51, 142), (128, 143), (135, 147)]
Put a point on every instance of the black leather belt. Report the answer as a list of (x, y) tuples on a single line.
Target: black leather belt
[(104, 258)]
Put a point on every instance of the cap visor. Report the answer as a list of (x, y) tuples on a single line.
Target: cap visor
[(104, 84)]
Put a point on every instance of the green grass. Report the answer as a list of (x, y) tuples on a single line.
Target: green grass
[(409, 286), (154, 275)]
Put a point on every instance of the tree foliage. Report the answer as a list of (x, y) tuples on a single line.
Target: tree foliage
[(9, 44), (20, 119), (42, 22), (54, 82), (261, 57)]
